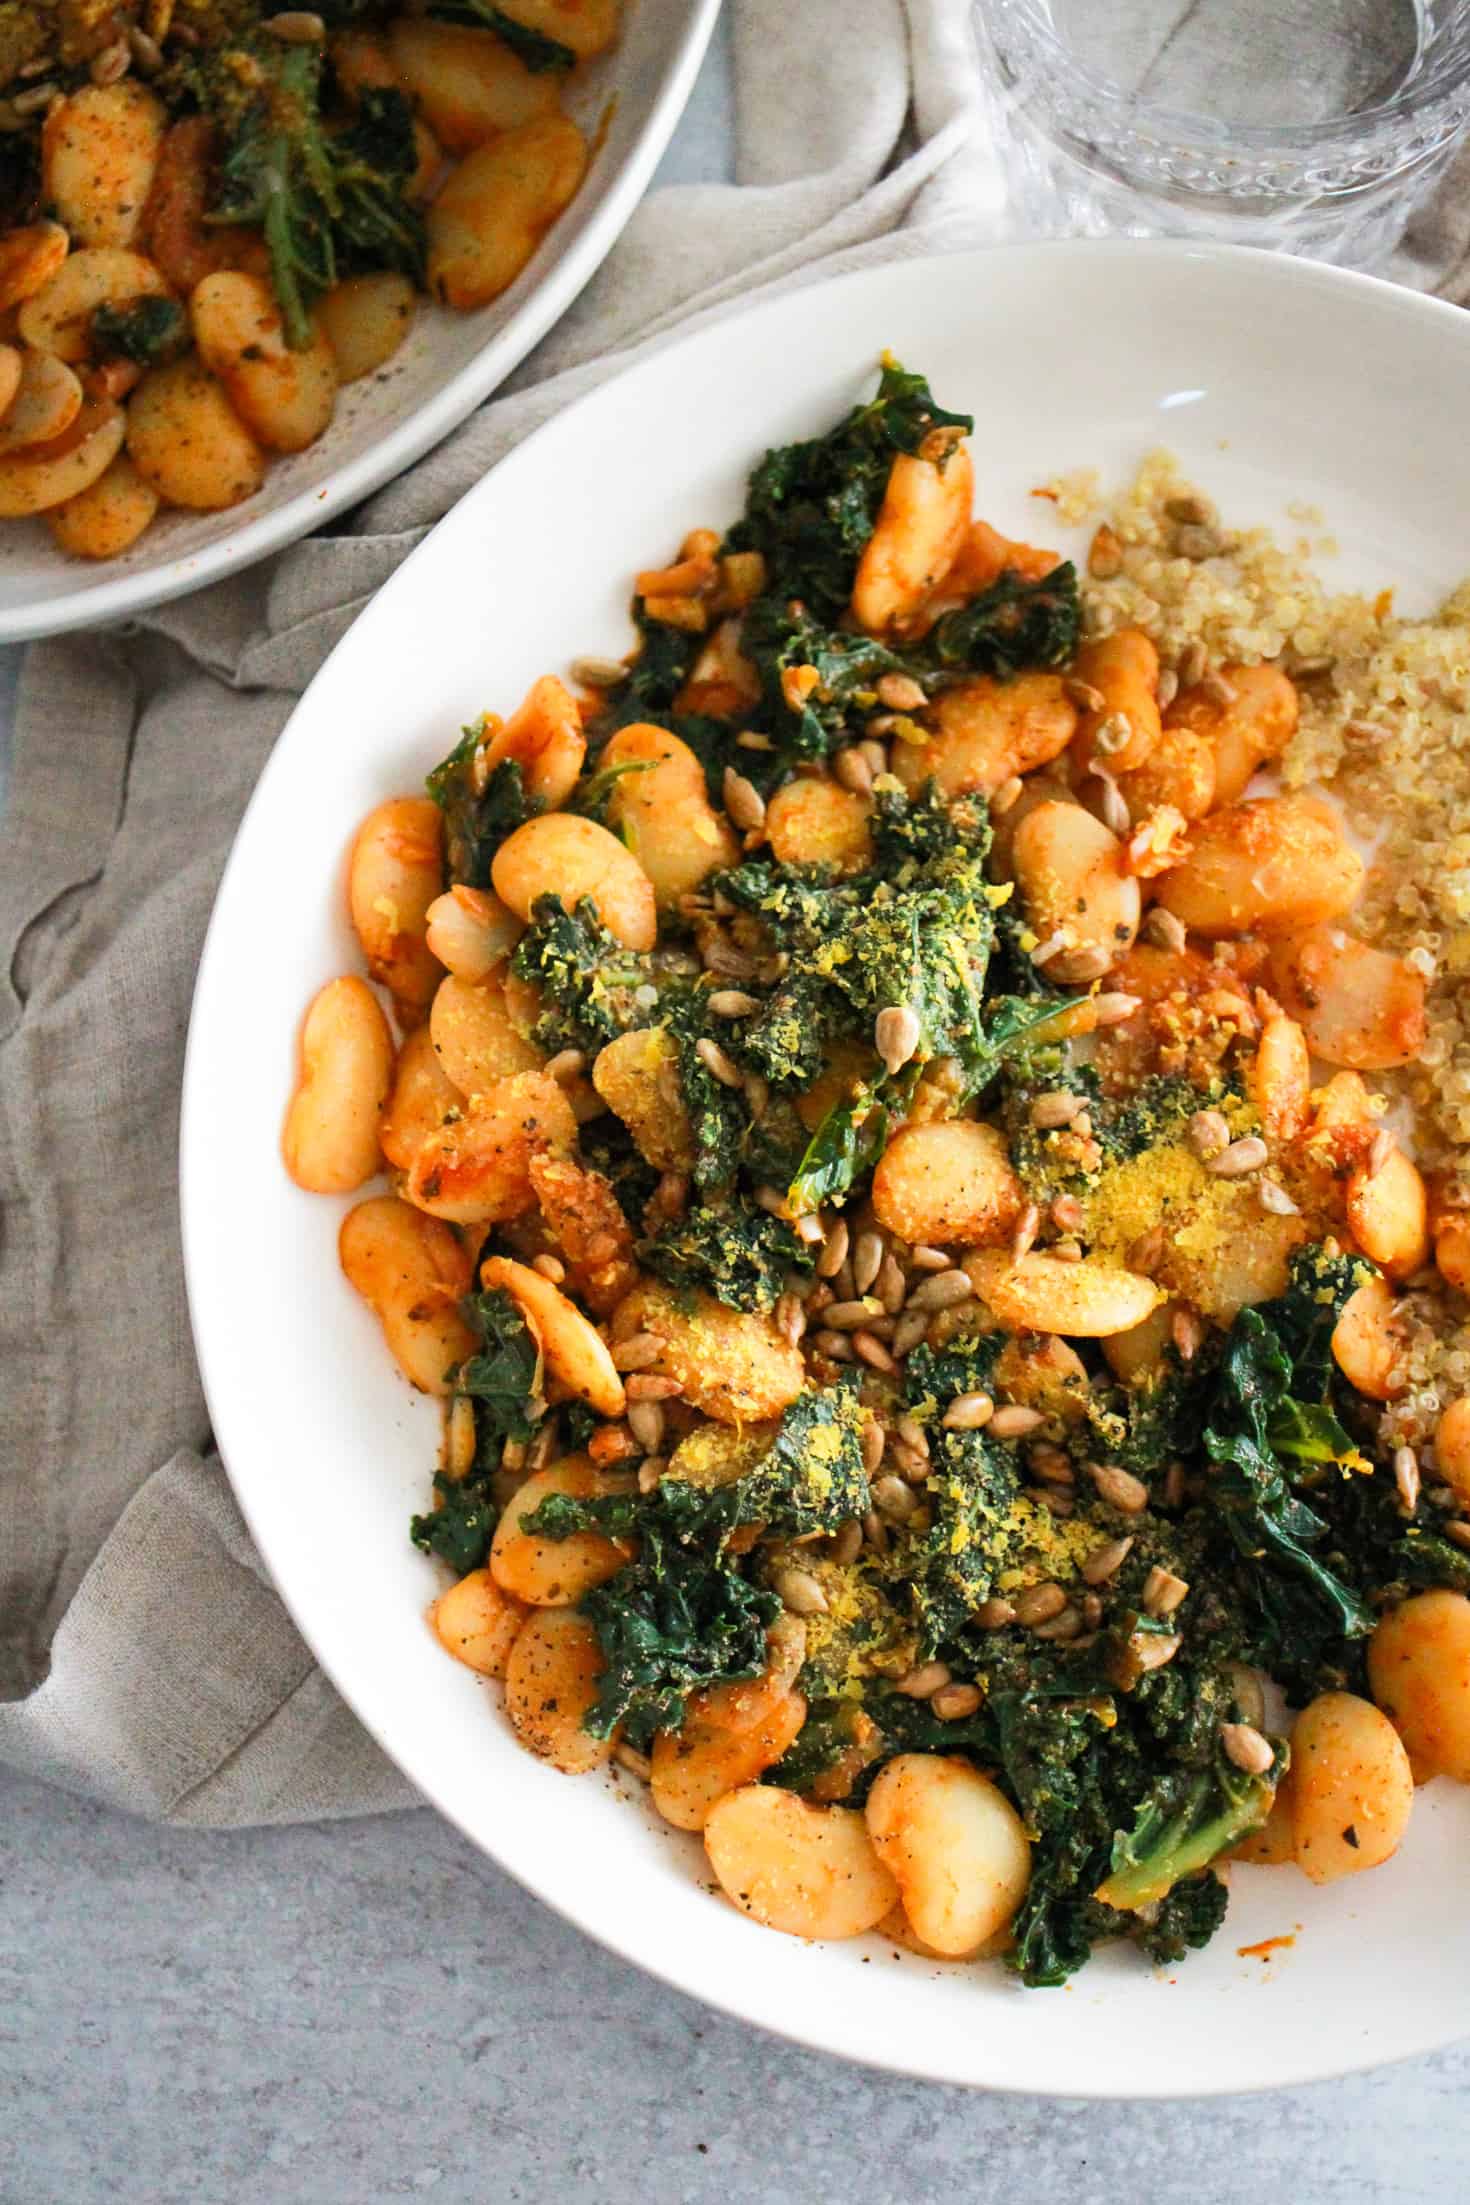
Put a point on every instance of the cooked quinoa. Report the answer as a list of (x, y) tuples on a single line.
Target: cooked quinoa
[(1384, 700)]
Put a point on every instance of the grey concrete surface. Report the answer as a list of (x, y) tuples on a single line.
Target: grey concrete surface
[(366, 2011)]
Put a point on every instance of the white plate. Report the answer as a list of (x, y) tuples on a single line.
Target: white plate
[(1276, 381), (449, 364)]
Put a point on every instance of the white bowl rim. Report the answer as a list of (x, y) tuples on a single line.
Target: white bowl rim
[(110, 598), (585, 1914)]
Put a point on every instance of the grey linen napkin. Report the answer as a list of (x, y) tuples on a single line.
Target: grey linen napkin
[(144, 1657)]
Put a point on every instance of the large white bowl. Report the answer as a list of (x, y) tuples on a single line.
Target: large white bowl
[(1277, 382), (628, 103)]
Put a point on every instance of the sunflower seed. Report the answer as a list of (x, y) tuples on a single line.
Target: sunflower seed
[(1208, 1134), (1054, 1108), (872, 1351), (598, 673), (867, 1259), (1240, 1158), (940, 1290), (1163, 930), (1162, 1592), (800, 1592), (896, 1035), (1274, 1197), (646, 1423), (1013, 1420), (296, 27), (846, 1544), (717, 1063), (1023, 1238), (1247, 1748), (930, 1676), (1113, 1007), (743, 801), (909, 1331), (834, 1249), (1039, 1603), (646, 1385), (994, 1614), (1104, 1562), (112, 64), (1118, 1487), (733, 1003), (851, 771), (894, 1499), (953, 1702)]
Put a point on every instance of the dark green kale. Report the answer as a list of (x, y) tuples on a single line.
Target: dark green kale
[(680, 1617), (719, 1116), (811, 507), (1187, 1919), (476, 822), (533, 48), (608, 1147), (913, 933), (1302, 1605), (948, 1569), (1146, 1426), (587, 977), (503, 1376), (460, 1528), (327, 201), (812, 1477), (145, 331), (1185, 1821), (502, 1379), (733, 1249), (778, 635), (844, 1149), (1011, 627), (785, 1040)]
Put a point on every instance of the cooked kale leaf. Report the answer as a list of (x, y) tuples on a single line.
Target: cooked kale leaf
[(586, 976), (732, 1248), (327, 202), (460, 1529), (679, 1618), (476, 821), (145, 331), (682, 1616), (811, 506), (1186, 1820), (503, 1376), (1010, 628)]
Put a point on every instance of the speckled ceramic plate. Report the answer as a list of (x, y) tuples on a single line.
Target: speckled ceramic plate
[(628, 102), (1276, 382)]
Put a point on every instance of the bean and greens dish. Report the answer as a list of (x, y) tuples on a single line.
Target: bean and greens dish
[(893, 1182), (215, 213)]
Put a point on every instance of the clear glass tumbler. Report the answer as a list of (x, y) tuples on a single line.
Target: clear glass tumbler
[(1315, 126)]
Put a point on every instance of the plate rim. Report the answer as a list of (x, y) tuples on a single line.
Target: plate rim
[(742, 2003), (99, 600)]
